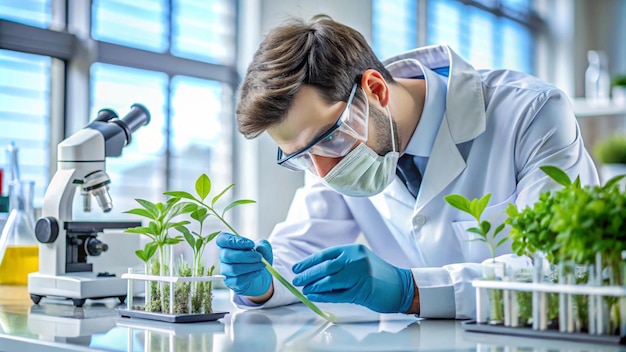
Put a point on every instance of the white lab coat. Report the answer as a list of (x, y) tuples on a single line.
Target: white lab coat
[(498, 129)]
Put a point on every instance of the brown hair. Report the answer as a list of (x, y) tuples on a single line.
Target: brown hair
[(322, 53)]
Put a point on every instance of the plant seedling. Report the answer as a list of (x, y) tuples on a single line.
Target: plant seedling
[(475, 208), (202, 210)]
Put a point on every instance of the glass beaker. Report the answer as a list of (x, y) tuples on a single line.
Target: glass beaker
[(19, 250)]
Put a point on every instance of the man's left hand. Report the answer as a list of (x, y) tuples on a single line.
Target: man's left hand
[(354, 274)]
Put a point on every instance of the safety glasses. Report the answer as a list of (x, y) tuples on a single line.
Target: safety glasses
[(336, 142)]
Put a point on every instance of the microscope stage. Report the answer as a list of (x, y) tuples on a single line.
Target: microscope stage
[(77, 286)]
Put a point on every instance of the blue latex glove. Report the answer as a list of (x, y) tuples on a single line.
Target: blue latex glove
[(242, 266), (354, 274)]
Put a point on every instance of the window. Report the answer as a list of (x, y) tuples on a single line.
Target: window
[(32, 12), (176, 57), (140, 171), (487, 33), (388, 22), (25, 98), (24, 116), (140, 24), (189, 132)]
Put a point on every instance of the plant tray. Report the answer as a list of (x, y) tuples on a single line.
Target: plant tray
[(170, 318), (473, 326)]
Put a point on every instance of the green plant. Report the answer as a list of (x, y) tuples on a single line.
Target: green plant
[(611, 150), (574, 224), (475, 208), (619, 81), (162, 219), (203, 209)]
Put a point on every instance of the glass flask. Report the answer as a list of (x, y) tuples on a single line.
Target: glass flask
[(19, 250)]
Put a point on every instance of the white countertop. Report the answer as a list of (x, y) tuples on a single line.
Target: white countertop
[(55, 325)]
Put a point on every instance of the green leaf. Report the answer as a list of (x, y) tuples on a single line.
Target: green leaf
[(141, 255), (210, 237), (485, 226), (139, 230), (173, 240), (146, 253), (188, 236), (512, 211), (217, 197), (181, 194), (155, 229), (557, 174), (203, 186), (613, 181), (151, 207), (198, 245), (459, 202), (501, 242), (189, 207), (482, 204), (141, 212), (236, 203), (498, 229), (297, 293), (177, 224), (577, 183), (160, 208), (199, 214), (172, 201), (476, 231), (150, 249)]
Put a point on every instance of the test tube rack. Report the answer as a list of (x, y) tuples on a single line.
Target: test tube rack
[(597, 329), (134, 311)]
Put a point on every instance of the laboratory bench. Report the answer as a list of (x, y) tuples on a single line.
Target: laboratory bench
[(56, 325)]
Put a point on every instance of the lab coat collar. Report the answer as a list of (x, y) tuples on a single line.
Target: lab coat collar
[(421, 143), (464, 120), (465, 106)]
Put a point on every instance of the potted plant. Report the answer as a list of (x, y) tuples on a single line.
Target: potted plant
[(618, 89), (611, 153), (181, 291)]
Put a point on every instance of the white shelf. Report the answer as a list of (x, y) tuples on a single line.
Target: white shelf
[(585, 108)]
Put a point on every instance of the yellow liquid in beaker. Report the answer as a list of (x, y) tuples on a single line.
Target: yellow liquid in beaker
[(18, 262)]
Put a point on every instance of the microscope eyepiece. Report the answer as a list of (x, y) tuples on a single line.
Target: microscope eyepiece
[(104, 115), (137, 117)]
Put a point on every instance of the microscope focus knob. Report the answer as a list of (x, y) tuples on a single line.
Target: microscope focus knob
[(47, 229)]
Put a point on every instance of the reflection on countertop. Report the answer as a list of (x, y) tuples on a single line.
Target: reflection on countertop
[(59, 326)]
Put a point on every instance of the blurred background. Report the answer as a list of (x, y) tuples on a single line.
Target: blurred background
[(63, 60)]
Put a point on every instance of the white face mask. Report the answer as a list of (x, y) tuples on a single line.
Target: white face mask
[(362, 172)]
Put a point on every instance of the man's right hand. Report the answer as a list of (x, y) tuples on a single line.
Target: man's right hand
[(241, 264)]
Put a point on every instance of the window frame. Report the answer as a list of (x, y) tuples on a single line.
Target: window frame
[(530, 19), (68, 42)]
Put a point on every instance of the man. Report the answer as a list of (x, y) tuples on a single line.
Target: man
[(352, 123)]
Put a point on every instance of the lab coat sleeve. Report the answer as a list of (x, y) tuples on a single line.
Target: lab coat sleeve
[(551, 137), (318, 218), (548, 134)]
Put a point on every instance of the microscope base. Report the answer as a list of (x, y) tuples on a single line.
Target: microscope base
[(77, 286)]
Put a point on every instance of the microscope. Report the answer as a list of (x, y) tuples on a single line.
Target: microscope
[(65, 245)]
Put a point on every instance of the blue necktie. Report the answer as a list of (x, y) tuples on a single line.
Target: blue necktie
[(408, 172)]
